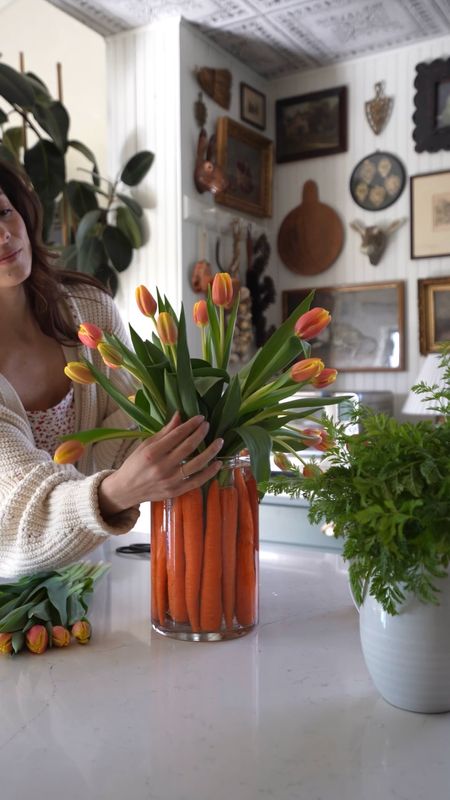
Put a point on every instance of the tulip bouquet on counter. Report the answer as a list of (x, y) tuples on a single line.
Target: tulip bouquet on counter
[(253, 409), (47, 609)]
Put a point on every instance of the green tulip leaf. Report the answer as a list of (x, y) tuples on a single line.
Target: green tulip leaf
[(259, 444), (17, 641), (185, 380), (137, 167), (16, 619), (227, 410), (103, 434)]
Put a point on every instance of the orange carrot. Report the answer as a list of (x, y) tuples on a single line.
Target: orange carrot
[(176, 564), (192, 506), (156, 522), (229, 508), (254, 503), (211, 586), (245, 556), (161, 563)]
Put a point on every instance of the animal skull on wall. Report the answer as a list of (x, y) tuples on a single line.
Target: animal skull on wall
[(208, 175), (374, 238)]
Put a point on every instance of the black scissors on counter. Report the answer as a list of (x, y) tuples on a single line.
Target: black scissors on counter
[(134, 550)]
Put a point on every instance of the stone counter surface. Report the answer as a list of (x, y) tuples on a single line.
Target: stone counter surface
[(288, 712)]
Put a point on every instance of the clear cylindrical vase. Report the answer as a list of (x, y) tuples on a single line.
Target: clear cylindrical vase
[(204, 558)]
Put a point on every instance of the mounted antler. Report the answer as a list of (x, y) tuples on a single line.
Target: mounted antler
[(374, 238), (208, 176)]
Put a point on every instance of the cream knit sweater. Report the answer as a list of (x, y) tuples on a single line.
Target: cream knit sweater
[(49, 513)]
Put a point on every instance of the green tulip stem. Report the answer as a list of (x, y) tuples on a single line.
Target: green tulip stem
[(204, 350), (173, 354), (144, 378), (222, 335)]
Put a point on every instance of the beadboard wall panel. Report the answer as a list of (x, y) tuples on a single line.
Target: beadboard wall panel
[(143, 68), (332, 174)]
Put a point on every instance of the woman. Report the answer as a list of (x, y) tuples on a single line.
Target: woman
[(52, 514)]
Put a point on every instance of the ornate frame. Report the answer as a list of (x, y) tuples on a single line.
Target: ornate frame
[(429, 290), (246, 159), (427, 135)]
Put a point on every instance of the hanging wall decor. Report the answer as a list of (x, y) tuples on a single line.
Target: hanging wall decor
[(311, 125), (253, 106), (216, 83), (430, 214), (246, 159), (374, 238), (379, 109), (208, 175), (262, 289), (377, 181), (311, 235), (432, 102)]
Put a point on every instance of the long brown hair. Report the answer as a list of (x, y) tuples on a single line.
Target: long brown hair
[(44, 286)]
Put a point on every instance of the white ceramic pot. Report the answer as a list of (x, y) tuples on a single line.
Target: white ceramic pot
[(408, 655)]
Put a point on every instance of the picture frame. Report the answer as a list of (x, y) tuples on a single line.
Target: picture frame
[(430, 214), (434, 313), (432, 102), (246, 158), (311, 125), (253, 106), (377, 181), (367, 332)]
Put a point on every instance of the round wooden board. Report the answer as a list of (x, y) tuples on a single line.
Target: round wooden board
[(311, 235)]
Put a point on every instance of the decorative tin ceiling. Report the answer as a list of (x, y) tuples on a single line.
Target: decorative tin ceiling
[(276, 37)]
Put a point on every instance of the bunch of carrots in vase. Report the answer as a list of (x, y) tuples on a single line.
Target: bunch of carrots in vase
[(200, 579)]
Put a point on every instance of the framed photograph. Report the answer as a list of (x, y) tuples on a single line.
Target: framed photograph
[(432, 101), (246, 158), (253, 106), (311, 125), (367, 330), (434, 313), (430, 214), (377, 181)]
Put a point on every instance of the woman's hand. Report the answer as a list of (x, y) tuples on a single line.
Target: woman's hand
[(160, 467)]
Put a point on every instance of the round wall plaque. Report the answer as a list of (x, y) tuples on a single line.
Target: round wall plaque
[(377, 181)]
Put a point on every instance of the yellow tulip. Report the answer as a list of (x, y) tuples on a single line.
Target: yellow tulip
[(78, 372), (68, 452)]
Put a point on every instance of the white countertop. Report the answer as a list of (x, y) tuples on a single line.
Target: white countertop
[(288, 712)]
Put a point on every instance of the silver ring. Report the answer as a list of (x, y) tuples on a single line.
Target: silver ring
[(183, 474)]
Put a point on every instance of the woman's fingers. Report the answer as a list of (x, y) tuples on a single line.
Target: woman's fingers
[(196, 464), (165, 441), (198, 479)]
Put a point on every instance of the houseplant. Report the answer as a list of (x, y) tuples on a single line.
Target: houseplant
[(101, 224), (387, 494), (204, 552)]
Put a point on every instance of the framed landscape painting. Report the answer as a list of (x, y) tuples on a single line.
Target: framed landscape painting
[(246, 159), (311, 125)]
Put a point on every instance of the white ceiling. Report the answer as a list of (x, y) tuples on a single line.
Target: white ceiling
[(277, 37)]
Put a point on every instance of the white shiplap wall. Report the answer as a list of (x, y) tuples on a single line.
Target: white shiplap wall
[(144, 114), (332, 174)]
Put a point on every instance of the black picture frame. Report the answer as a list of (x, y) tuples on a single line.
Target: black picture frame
[(253, 106), (432, 102), (311, 125)]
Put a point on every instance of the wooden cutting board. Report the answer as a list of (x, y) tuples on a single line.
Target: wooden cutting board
[(311, 235)]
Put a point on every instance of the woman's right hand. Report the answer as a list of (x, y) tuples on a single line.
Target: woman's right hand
[(161, 467)]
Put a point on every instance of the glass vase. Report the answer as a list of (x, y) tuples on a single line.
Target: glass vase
[(204, 558)]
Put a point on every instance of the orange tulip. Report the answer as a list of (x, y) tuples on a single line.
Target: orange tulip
[(78, 372), (312, 435), (167, 329), (146, 303), (60, 636), (90, 335), (311, 471), (200, 313), (82, 631), (326, 377), (312, 323), (222, 289), (6, 643), (68, 452), (36, 639), (306, 369), (321, 439), (110, 355), (282, 461)]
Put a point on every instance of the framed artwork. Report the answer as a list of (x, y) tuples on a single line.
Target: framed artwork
[(311, 125), (377, 181), (432, 102), (246, 159), (430, 214), (367, 330), (434, 313), (253, 106)]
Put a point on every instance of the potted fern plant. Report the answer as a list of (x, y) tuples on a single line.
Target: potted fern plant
[(387, 494)]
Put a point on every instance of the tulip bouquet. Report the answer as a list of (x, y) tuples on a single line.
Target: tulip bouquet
[(47, 609), (249, 410)]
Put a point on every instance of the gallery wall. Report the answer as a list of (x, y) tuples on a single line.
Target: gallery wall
[(332, 174)]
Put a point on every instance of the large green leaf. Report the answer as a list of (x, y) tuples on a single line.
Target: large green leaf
[(8, 156), (46, 168), (144, 420), (87, 153), (259, 444), (173, 400), (15, 88), (283, 357), (87, 222), (132, 204), (13, 139), (137, 167), (81, 197), (54, 120), (40, 90), (185, 379), (16, 619), (268, 353), (3, 117), (108, 276), (129, 225), (227, 410), (91, 255), (118, 247)]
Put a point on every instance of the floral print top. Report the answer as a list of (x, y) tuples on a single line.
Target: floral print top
[(49, 425)]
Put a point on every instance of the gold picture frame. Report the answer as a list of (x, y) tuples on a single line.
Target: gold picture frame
[(246, 158), (367, 331), (434, 313)]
